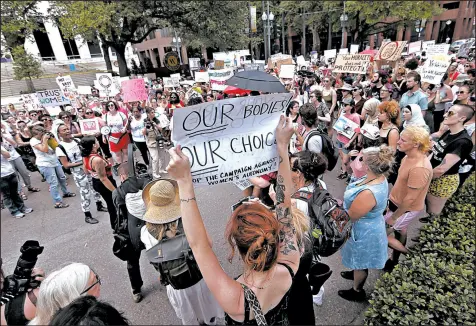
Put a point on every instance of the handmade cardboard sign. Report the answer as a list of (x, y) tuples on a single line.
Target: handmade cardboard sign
[(52, 97), (89, 126), (287, 71), (434, 69), (201, 77), (30, 102), (230, 140), (391, 51), (219, 77), (434, 49), (352, 63), (134, 90)]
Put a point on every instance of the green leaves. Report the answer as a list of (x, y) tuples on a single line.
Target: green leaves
[(435, 284), (25, 65)]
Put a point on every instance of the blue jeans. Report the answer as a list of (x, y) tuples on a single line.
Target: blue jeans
[(54, 176)]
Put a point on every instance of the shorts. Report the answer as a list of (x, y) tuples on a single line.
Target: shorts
[(403, 221), (444, 186), (340, 145)]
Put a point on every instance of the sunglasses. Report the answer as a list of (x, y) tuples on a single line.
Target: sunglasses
[(247, 200), (64, 117), (450, 113), (355, 90), (32, 115), (110, 105), (98, 281), (89, 112), (46, 120), (460, 92)]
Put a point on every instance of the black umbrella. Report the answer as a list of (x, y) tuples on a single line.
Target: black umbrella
[(256, 81)]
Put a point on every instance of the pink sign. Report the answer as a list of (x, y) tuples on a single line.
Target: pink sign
[(134, 90)]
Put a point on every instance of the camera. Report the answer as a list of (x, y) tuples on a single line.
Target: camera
[(160, 141), (21, 280)]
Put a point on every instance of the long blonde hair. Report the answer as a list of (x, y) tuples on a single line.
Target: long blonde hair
[(302, 225)]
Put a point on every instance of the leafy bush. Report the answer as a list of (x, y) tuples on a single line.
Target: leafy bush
[(435, 284)]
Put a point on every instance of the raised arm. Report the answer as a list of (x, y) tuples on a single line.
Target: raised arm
[(226, 291), (288, 251)]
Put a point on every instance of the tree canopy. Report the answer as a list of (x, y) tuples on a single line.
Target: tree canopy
[(26, 66)]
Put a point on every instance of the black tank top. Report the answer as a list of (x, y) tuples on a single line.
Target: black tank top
[(384, 140)]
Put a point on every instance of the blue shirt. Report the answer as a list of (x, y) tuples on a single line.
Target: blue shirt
[(417, 97)]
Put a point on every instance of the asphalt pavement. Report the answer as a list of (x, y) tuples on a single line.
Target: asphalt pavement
[(67, 238)]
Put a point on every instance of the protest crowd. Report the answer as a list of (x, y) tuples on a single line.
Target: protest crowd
[(402, 144)]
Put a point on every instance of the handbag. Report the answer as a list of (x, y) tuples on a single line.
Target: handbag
[(122, 247)]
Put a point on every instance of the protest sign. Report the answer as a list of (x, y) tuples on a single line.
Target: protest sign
[(85, 90), (168, 82), (65, 83), (194, 63), (175, 79), (201, 77), (134, 90), (345, 127), (425, 44), (300, 59), (287, 71), (414, 47), (230, 140), (441, 48), (391, 51), (352, 63), (53, 110), (354, 48), (30, 102), (219, 77), (52, 97), (219, 64), (343, 51), (254, 66), (106, 84), (328, 54), (89, 126), (434, 69)]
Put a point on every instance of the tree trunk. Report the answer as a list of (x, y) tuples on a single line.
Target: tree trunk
[(316, 41), (121, 59), (29, 85), (107, 59), (303, 37), (329, 33)]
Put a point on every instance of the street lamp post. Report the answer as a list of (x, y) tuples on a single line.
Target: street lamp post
[(267, 19), (343, 22), (177, 41), (448, 23)]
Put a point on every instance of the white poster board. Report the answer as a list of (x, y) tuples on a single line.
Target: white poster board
[(441, 48), (217, 78), (434, 68), (425, 44), (168, 82), (354, 48), (287, 71), (343, 51), (52, 97), (194, 63), (89, 126), (30, 102), (84, 90), (345, 127), (65, 83), (201, 77), (414, 47), (106, 84), (175, 79), (230, 140), (352, 63), (328, 54)]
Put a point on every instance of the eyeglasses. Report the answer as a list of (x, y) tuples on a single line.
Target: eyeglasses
[(33, 115), (64, 117), (384, 90), (98, 281), (80, 111), (46, 120), (325, 81), (110, 105)]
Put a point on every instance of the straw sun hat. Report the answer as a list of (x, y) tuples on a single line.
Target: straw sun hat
[(161, 198)]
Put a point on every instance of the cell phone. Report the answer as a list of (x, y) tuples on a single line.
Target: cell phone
[(243, 200)]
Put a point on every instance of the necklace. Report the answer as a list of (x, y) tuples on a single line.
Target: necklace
[(368, 181)]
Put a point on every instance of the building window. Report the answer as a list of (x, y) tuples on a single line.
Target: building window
[(166, 32), (157, 57), (168, 49), (152, 35), (451, 5)]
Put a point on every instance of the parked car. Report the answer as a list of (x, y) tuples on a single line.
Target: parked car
[(454, 47)]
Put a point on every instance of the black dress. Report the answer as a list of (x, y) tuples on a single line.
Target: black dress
[(300, 305)]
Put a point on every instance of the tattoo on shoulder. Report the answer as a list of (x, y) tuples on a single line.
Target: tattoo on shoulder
[(287, 231), (280, 189)]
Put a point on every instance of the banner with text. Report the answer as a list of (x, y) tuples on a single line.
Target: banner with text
[(218, 78), (434, 69), (230, 140), (52, 97), (134, 90), (352, 63), (391, 51), (414, 47), (434, 49), (30, 102)]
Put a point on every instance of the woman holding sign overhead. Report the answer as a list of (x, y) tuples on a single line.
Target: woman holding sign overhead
[(117, 137)]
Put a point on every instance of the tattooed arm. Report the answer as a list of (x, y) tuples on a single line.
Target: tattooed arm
[(288, 249)]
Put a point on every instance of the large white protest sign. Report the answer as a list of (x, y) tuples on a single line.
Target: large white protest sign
[(52, 97), (217, 78), (65, 83), (414, 47), (30, 102), (168, 82), (391, 51), (201, 77), (434, 69), (330, 54), (106, 84), (352, 63), (194, 63), (354, 48), (441, 48), (230, 140), (287, 71), (84, 90), (425, 44), (175, 79), (343, 51)]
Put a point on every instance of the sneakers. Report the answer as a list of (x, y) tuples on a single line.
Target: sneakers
[(348, 275), (91, 220), (317, 299), (27, 210), (100, 207), (18, 215), (352, 295), (137, 297)]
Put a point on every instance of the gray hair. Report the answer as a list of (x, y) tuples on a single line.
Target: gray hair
[(59, 289)]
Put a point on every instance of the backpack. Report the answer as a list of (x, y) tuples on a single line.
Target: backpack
[(174, 260), (330, 223), (65, 169), (328, 149)]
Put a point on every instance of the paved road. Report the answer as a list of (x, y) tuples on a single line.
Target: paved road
[(67, 238)]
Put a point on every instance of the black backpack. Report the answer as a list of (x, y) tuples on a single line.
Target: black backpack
[(328, 149), (330, 223), (174, 260)]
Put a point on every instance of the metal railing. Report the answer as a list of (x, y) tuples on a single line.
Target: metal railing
[(73, 57), (53, 58)]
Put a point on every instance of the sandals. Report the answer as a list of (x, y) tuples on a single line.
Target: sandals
[(33, 189), (69, 194), (61, 205)]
